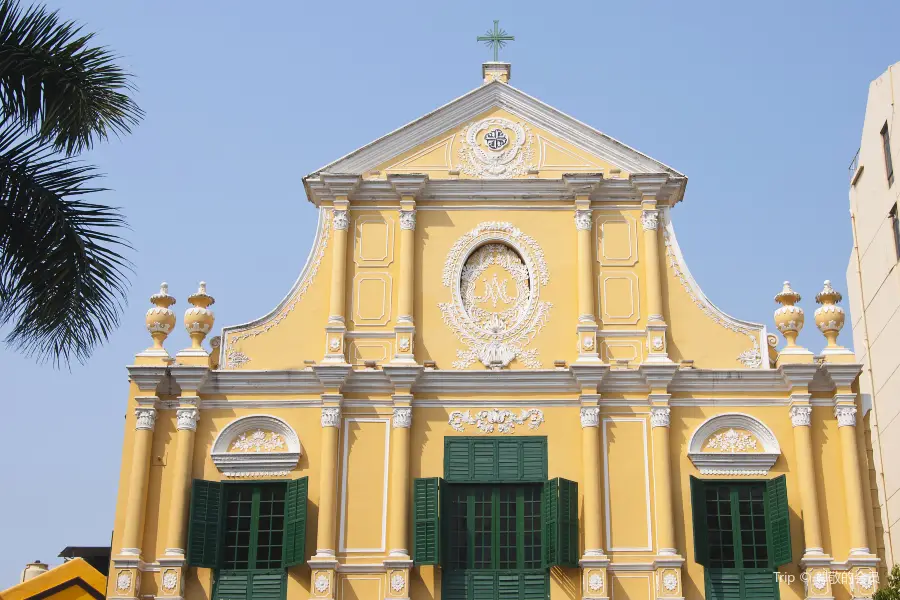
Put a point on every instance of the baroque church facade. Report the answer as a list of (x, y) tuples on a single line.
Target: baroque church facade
[(494, 379)]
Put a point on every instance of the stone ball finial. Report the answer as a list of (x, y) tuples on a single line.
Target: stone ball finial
[(198, 319), (160, 318), (829, 317), (789, 318)]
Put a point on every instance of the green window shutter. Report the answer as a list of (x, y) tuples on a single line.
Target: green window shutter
[(454, 585), (535, 586), (205, 523), (560, 505), (458, 459), (509, 460), (760, 586), (725, 584), (698, 508), (482, 585), (250, 585), (232, 585), (534, 458), (426, 521), (295, 521), (484, 460), (778, 521)]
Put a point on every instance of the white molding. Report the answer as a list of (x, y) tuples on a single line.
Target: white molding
[(388, 257), (256, 464), (606, 485), (345, 461), (470, 105), (387, 298), (734, 463), (600, 248), (631, 318)]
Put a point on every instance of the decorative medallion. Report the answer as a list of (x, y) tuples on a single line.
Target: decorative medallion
[(169, 580), (398, 582), (658, 344), (865, 579), (595, 583), (404, 344), (495, 273), (258, 441), (496, 148), (503, 420), (670, 582), (322, 583), (588, 342), (820, 580), (335, 344), (123, 581), (235, 359), (732, 441)]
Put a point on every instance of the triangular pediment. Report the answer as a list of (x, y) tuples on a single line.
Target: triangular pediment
[(495, 132)]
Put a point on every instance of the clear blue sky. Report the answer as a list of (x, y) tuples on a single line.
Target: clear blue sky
[(760, 104)]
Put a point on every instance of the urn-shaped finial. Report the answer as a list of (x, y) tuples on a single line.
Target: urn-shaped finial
[(789, 318), (829, 316), (198, 319), (160, 319)]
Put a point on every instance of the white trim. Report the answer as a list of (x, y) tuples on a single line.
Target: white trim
[(606, 486), (344, 477), (503, 96), (256, 464), (734, 463)]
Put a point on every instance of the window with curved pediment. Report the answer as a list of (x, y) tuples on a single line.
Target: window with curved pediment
[(256, 446), (733, 444)]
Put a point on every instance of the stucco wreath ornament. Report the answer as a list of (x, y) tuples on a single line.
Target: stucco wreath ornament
[(498, 317)]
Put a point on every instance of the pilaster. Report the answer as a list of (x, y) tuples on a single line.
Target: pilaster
[(582, 186), (407, 187)]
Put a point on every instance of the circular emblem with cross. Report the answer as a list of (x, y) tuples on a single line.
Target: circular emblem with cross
[(495, 139)]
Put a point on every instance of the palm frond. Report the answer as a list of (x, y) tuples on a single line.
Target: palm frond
[(63, 278), (52, 80)]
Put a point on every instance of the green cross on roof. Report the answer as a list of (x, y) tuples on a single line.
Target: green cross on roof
[(496, 39)]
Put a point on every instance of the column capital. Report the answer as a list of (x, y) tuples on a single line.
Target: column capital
[(186, 418), (660, 416), (590, 416), (650, 219), (583, 219), (340, 220), (145, 418), (402, 417), (800, 415), (845, 415), (408, 219), (331, 416)]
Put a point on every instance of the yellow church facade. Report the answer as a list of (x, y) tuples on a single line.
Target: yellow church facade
[(494, 378)]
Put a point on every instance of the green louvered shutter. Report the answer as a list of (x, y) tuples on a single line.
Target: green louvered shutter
[(205, 523), (760, 586), (534, 458), (724, 585), (535, 585), (232, 585), (484, 460), (509, 460), (698, 509), (458, 459), (426, 521), (454, 585), (482, 585), (778, 523), (560, 504), (295, 521)]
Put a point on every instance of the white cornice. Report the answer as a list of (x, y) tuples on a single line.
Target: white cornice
[(479, 100), (765, 382)]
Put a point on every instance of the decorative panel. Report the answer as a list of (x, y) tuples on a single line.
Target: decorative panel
[(374, 244), (360, 587), (612, 350), (364, 456), (633, 586), (627, 484), (617, 241), (620, 302), (363, 350), (372, 298)]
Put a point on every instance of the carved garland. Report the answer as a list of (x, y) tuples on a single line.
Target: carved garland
[(509, 160), (256, 446), (504, 421), (730, 452), (495, 338), (749, 358), (234, 358)]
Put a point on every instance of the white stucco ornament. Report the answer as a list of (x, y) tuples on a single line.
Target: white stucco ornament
[(670, 582), (256, 446), (496, 148), (123, 581), (820, 580), (169, 580), (866, 580), (488, 421), (495, 273), (732, 441), (733, 444), (398, 582), (321, 583), (595, 583)]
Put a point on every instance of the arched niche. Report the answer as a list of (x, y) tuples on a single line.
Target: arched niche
[(256, 446), (733, 444)]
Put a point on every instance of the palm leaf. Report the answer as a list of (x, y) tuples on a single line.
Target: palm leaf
[(53, 81), (62, 277)]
